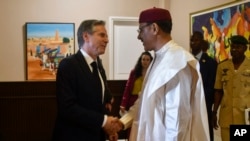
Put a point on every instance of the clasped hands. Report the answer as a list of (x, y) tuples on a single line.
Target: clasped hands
[(112, 126)]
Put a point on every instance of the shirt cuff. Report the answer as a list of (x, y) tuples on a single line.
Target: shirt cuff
[(127, 120), (104, 120)]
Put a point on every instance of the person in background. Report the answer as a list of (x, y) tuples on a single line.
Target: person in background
[(208, 68), (232, 87), (172, 105), (83, 98), (134, 83)]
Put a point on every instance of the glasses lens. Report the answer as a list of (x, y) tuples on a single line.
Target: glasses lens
[(142, 27)]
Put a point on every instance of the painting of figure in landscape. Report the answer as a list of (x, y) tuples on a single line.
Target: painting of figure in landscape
[(46, 45)]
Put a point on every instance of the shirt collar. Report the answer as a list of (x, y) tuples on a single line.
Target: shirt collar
[(89, 60), (198, 56), (162, 51)]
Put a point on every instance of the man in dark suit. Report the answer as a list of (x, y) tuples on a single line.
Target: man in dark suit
[(84, 99), (208, 68)]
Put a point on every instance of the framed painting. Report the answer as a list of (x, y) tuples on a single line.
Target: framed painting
[(46, 45), (219, 23)]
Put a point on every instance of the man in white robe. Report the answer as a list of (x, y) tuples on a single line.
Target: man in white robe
[(171, 106)]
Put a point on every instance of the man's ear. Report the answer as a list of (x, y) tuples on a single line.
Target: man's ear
[(85, 36), (155, 28)]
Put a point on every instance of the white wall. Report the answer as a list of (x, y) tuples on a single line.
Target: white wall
[(14, 14)]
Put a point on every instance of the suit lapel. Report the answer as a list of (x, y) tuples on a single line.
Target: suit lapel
[(83, 64)]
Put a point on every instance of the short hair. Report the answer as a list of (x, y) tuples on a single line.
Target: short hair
[(238, 39), (166, 26), (198, 34), (87, 26)]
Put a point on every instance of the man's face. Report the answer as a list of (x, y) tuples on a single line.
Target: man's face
[(98, 40), (195, 44), (145, 35), (237, 50)]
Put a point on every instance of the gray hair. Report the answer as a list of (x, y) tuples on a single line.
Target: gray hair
[(87, 26)]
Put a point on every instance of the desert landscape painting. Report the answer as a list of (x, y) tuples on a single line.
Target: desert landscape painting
[(46, 45)]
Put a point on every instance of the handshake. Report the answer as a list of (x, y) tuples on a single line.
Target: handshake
[(112, 126)]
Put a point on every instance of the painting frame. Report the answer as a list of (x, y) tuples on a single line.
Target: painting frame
[(46, 44), (218, 24)]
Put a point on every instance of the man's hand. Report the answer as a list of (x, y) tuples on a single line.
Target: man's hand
[(113, 137), (113, 125), (122, 109), (109, 105)]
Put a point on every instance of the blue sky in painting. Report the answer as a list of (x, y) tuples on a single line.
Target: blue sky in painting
[(49, 29)]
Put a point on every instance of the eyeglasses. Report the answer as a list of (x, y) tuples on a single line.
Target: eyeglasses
[(142, 27)]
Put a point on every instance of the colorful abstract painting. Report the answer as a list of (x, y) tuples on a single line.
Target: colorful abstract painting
[(219, 24), (46, 45)]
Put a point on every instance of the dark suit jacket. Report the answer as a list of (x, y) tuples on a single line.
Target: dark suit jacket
[(208, 68), (80, 108)]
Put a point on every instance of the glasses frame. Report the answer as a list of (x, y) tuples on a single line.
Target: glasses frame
[(142, 27)]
